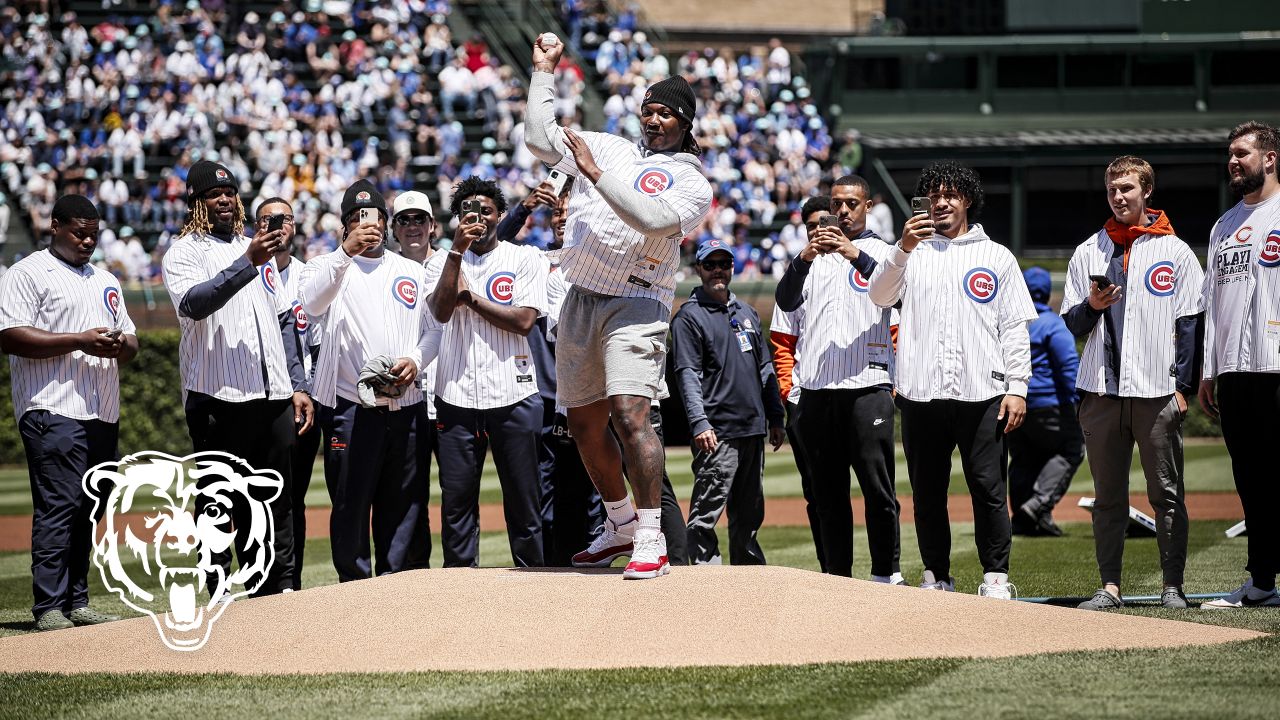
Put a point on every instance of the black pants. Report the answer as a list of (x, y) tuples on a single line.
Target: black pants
[(60, 451), (370, 468), (930, 432), (1250, 407), (673, 526), (852, 428), (571, 510), (1043, 457), (262, 433), (806, 481), (303, 462), (464, 437), (424, 442)]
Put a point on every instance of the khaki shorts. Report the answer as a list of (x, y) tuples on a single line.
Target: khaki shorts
[(608, 346)]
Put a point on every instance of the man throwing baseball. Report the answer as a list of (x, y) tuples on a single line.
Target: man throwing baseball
[(634, 204)]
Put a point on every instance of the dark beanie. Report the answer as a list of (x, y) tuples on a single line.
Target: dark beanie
[(362, 194), (207, 175), (675, 93)]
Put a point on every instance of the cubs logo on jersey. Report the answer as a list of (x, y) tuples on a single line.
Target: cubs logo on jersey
[(405, 291), (1160, 279), (268, 274), (111, 298), (501, 287), (300, 319), (653, 181), (981, 285), (1269, 255), (857, 282), (362, 197)]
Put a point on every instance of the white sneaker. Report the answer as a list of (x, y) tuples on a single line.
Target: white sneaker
[(649, 560), (894, 579), (1244, 596), (997, 587), (930, 582), (608, 546)]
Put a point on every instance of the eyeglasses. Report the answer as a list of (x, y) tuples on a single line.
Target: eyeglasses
[(415, 219), (717, 264)]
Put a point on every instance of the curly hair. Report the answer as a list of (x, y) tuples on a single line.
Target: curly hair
[(198, 218), (817, 203), (473, 186), (953, 176)]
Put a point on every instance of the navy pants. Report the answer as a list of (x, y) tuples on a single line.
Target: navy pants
[(370, 467), (60, 451), (571, 509), (464, 436), (303, 462)]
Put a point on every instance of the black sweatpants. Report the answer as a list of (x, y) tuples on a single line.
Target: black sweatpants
[(1250, 407), (60, 450), (304, 460), (571, 509), (930, 432), (840, 429), (262, 433), (1043, 457), (806, 481)]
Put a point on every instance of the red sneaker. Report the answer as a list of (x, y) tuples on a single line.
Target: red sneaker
[(608, 546)]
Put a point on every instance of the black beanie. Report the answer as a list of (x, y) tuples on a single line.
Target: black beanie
[(675, 93), (207, 175), (362, 194)]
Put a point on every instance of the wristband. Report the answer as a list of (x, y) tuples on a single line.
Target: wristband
[(902, 248), (456, 254)]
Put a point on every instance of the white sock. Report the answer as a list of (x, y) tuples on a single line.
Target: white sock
[(650, 521), (993, 578), (620, 511)]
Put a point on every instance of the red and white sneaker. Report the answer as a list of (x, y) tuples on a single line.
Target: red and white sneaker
[(649, 559), (608, 546)]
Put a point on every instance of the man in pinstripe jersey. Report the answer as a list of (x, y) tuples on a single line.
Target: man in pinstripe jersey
[(64, 325), (964, 361), (1136, 370), (627, 215)]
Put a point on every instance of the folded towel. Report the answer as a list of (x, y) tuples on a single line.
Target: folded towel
[(377, 381)]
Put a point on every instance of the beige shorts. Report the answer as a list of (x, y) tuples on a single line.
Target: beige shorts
[(608, 346)]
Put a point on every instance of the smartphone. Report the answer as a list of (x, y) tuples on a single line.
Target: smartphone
[(275, 222), (920, 205), (368, 216), (557, 180), (828, 221), (1103, 282), (471, 206), (114, 333)]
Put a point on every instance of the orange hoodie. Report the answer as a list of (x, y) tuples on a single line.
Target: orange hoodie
[(784, 358), (1125, 236)]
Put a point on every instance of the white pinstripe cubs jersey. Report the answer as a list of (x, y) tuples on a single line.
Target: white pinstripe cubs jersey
[(605, 255), (308, 333), (846, 343), (790, 323), (371, 307), (224, 355), (965, 310), (43, 292), (427, 376), (1242, 291), (1164, 283), (481, 366)]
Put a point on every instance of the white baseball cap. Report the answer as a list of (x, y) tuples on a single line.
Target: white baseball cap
[(412, 200)]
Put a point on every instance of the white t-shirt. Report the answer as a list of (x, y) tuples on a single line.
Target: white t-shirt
[(1242, 291)]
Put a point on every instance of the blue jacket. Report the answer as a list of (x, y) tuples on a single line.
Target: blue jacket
[(1054, 361)]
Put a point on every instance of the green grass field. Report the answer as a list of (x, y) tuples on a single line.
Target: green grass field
[(1208, 468), (1222, 681)]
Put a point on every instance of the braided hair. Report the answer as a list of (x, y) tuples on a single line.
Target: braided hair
[(198, 218)]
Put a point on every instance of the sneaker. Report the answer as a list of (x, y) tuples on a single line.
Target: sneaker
[(1244, 596), (649, 559), (608, 546), (1101, 600), (89, 616), (894, 579), (997, 587), (53, 620), (1047, 526), (930, 582), (1173, 599)]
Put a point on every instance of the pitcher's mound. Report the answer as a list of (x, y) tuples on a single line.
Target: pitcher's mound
[(506, 619)]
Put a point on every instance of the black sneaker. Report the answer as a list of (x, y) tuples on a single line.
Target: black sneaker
[(1047, 526), (1101, 600), (1173, 599)]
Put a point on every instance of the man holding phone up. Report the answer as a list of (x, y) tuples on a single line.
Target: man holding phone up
[(845, 372), (1134, 290), (964, 361)]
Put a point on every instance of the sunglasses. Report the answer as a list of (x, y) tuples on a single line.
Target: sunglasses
[(407, 220), (717, 264)]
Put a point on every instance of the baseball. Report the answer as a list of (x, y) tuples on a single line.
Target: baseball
[(549, 40)]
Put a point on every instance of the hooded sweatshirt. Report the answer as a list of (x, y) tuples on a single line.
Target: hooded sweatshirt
[(1053, 350)]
